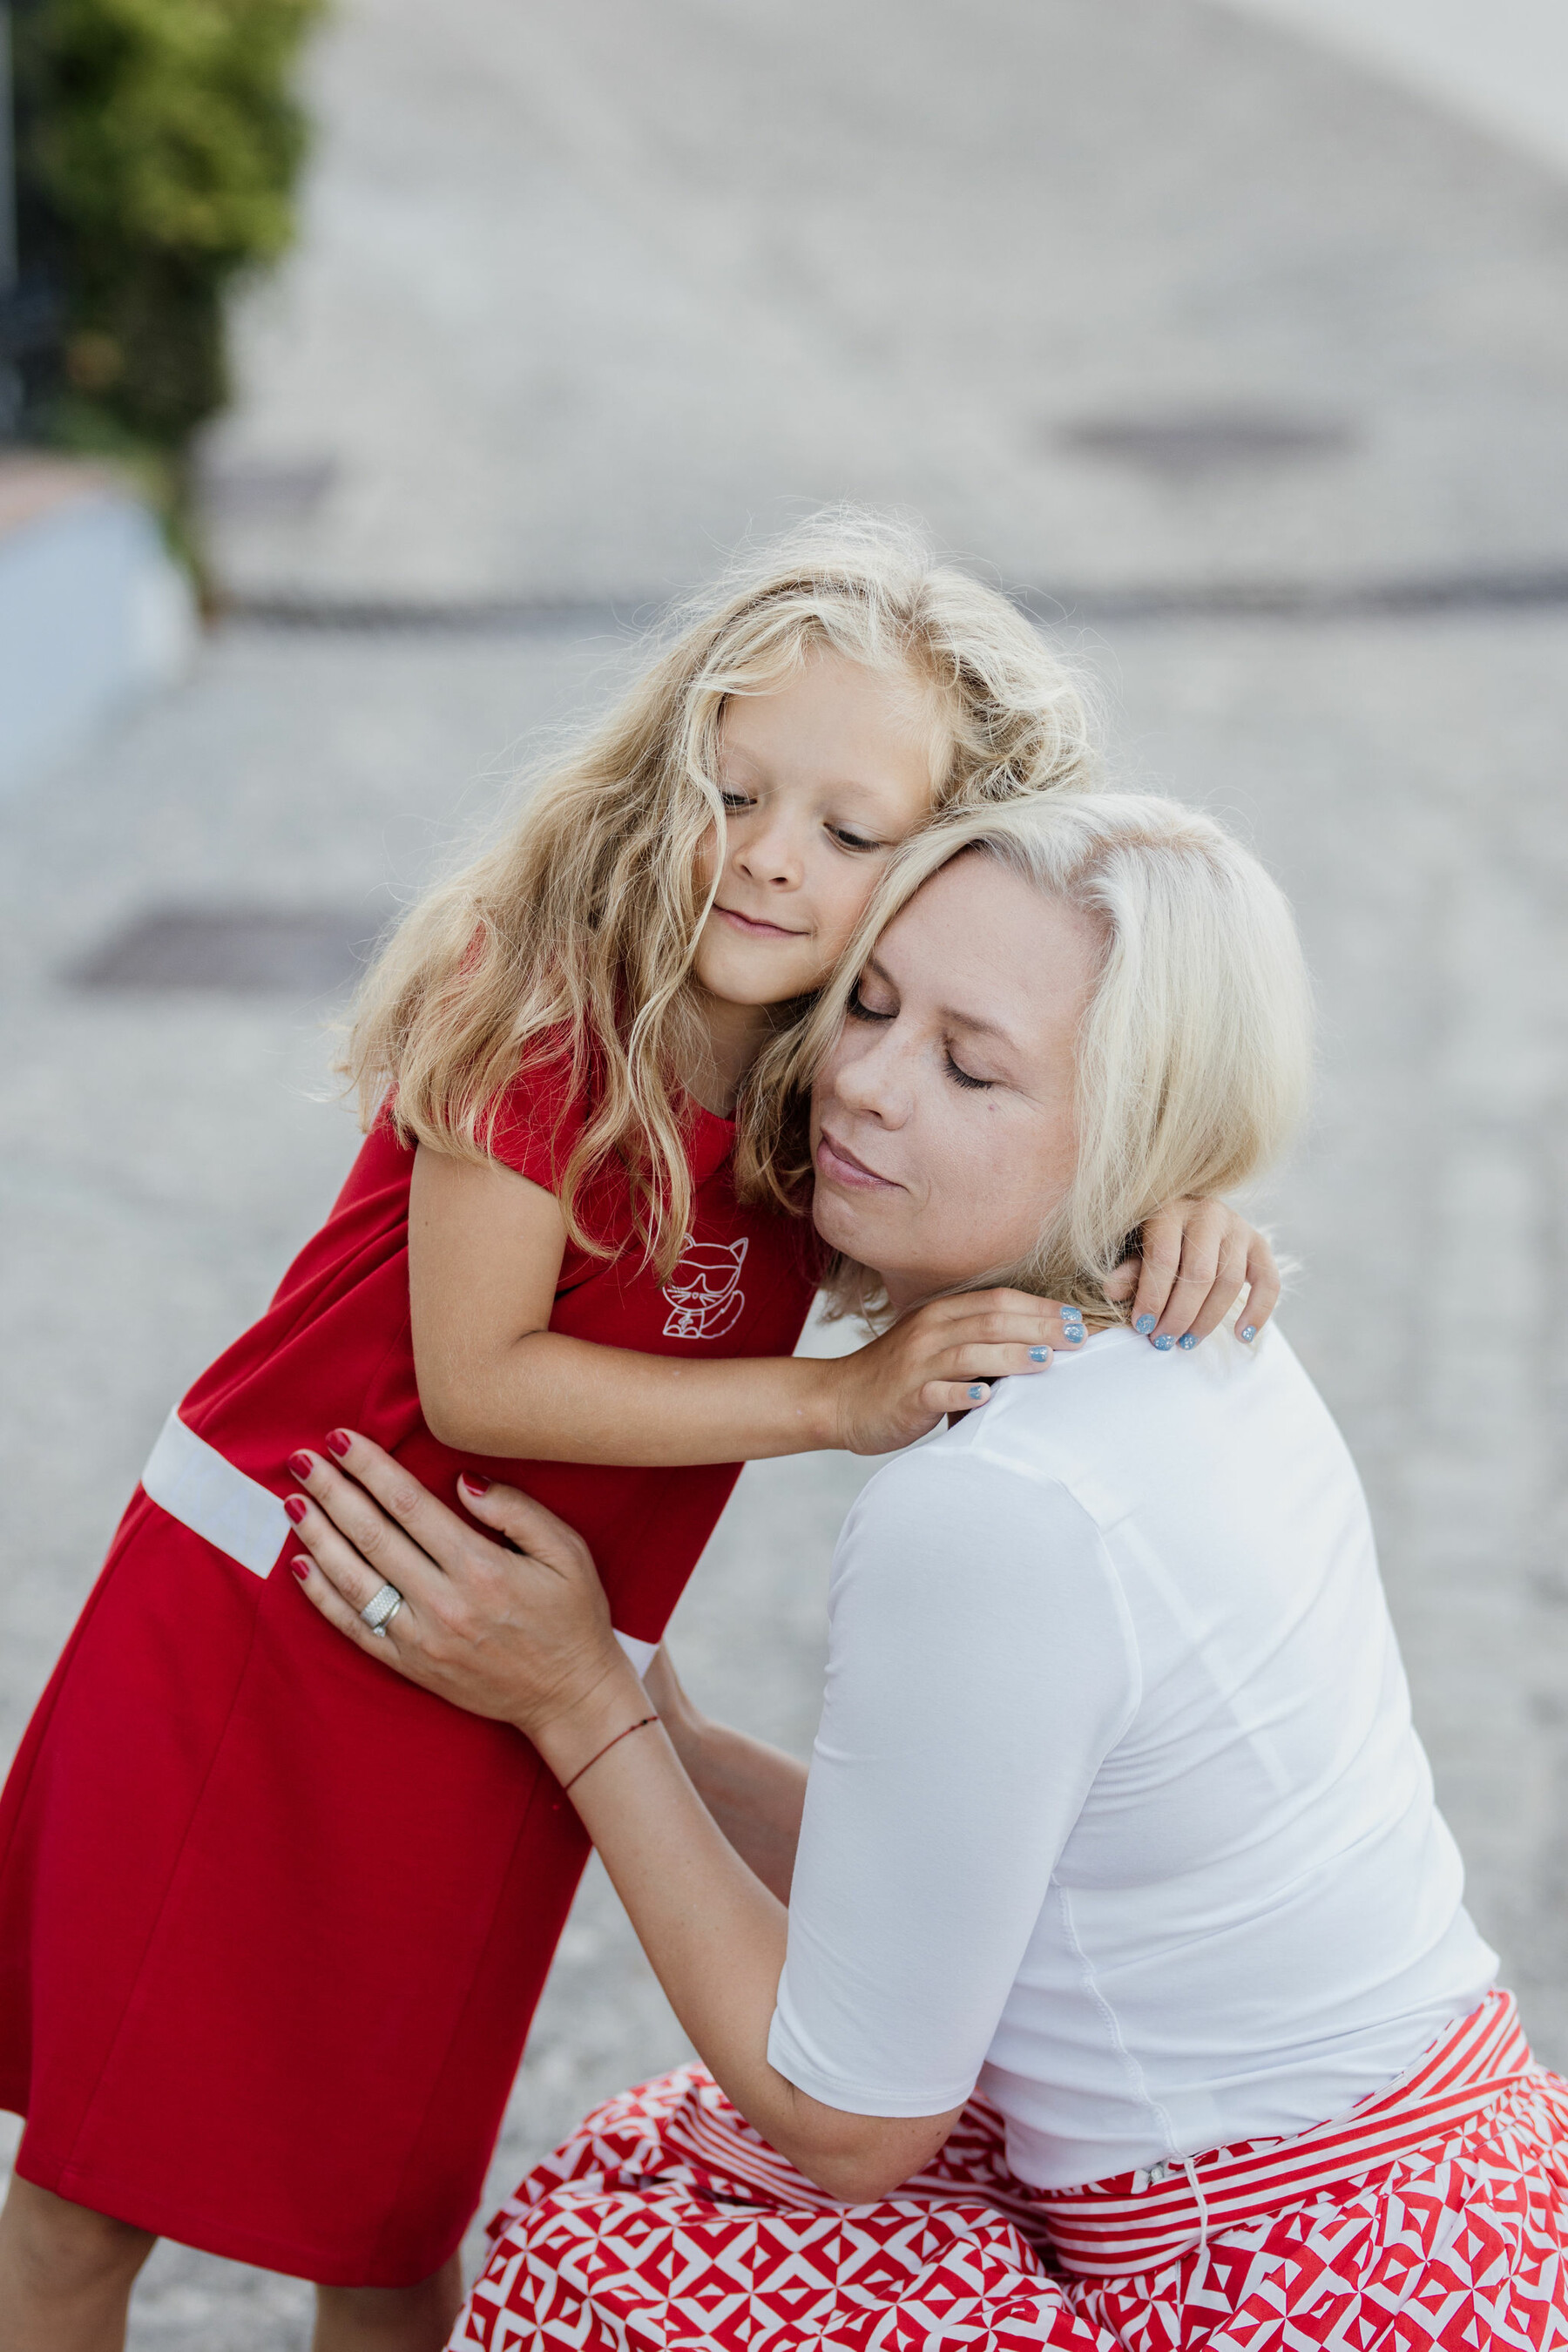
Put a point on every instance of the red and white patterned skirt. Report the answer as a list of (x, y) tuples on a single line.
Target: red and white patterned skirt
[(1435, 2213)]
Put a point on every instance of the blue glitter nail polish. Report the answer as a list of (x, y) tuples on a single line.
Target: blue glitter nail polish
[(1249, 1330), (1039, 1355), (1145, 1324), (1187, 1339), (975, 1394), (1163, 1342), (1075, 1335)]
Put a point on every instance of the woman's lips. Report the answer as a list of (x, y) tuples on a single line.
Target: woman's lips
[(752, 929), (841, 1167)]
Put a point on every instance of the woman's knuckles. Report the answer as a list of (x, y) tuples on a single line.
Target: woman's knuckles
[(405, 1497)]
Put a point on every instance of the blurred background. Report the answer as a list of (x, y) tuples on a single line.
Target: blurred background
[(1233, 338)]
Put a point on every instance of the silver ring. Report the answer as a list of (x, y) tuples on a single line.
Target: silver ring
[(381, 1609)]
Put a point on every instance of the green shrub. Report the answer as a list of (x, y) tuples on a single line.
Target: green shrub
[(160, 145)]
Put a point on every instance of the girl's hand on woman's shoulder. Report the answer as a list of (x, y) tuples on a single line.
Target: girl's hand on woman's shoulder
[(1196, 1259), (940, 1358)]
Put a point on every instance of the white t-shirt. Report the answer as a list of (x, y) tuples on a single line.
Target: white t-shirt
[(1116, 1805)]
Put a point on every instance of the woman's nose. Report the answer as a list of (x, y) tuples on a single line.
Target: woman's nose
[(870, 1077)]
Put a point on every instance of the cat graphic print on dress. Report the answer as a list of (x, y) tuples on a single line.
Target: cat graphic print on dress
[(704, 1293)]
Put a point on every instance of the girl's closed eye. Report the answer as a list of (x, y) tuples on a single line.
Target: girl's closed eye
[(847, 838)]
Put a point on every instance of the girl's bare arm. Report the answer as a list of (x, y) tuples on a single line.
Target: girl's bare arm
[(485, 1248)]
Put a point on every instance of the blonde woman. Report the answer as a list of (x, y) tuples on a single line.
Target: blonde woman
[(271, 1924), (1116, 1814)]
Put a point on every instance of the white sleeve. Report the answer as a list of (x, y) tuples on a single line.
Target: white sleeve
[(981, 1666)]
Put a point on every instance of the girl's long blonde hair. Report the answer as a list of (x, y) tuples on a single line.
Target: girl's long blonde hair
[(572, 934), (1194, 1053)]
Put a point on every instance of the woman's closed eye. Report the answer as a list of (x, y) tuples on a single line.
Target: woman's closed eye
[(963, 1077), (859, 1010)]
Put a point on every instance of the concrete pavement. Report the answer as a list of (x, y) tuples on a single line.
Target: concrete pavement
[(588, 293), (163, 1156)]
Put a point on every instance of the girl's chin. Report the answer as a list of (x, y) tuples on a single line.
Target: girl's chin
[(755, 980)]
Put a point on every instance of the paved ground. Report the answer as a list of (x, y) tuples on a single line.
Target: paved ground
[(162, 1158), (1503, 63), (590, 291), (572, 309)]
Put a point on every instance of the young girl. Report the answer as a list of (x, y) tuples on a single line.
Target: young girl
[(238, 2005)]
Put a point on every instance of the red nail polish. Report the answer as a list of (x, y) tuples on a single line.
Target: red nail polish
[(301, 1466), (338, 1442), (302, 1569), (295, 1506), (473, 1481)]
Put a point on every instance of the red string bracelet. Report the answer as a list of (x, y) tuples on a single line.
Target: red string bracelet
[(641, 1724)]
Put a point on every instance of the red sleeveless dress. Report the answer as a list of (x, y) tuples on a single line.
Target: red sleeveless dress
[(273, 1923)]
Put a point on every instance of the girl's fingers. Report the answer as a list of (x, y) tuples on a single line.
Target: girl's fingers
[(938, 1397), (1011, 1311), (1164, 1244), (1122, 1281), (1033, 1323), (1263, 1288), (966, 1365), (1223, 1291)]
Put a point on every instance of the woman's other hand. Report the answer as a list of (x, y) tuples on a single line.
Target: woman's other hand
[(1196, 1259), (518, 1630)]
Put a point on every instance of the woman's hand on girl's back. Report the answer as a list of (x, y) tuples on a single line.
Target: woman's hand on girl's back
[(516, 1630)]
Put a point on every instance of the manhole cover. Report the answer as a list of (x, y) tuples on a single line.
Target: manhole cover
[(1209, 440), (245, 950)]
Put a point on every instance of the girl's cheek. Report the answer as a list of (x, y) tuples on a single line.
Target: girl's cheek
[(852, 904)]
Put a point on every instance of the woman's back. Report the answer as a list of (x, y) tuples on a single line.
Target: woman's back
[(1117, 1790)]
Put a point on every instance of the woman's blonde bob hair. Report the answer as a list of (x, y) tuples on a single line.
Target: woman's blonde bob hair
[(1194, 1053), (575, 930)]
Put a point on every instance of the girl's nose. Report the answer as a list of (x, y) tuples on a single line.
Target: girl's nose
[(770, 856)]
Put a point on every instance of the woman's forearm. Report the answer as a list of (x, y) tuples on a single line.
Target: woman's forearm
[(518, 1631), (715, 1936), (755, 1793)]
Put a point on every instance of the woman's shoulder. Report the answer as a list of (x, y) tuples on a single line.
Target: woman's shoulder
[(957, 1494), (1120, 1418), (954, 1560)]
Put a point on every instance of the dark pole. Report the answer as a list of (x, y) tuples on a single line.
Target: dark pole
[(32, 308), (10, 382)]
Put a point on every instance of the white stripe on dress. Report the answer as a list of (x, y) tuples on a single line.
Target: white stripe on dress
[(202, 1488)]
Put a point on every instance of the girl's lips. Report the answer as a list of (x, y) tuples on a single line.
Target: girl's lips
[(753, 930), (841, 1167)]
